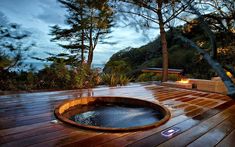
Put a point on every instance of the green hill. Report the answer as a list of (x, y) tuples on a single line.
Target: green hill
[(131, 60)]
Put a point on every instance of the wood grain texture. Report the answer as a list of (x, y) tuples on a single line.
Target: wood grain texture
[(204, 119)]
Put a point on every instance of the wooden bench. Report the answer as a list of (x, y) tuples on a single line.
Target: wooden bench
[(178, 72)]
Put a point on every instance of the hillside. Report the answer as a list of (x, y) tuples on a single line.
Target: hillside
[(132, 60)]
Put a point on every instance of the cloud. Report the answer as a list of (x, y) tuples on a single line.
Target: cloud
[(125, 37), (52, 12), (34, 16), (51, 18), (102, 57), (37, 15)]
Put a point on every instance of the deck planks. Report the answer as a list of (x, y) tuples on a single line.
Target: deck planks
[(215, 135), (204, 118), (228, 141)]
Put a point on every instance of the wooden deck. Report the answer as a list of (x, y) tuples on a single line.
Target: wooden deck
[(204, 119)]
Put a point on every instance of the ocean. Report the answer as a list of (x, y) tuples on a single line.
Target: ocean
[(40, 65)]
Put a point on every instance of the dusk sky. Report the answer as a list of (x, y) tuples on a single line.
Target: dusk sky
[(37, 15)]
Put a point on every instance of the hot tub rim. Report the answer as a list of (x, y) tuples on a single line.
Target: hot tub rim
[(163, 109)]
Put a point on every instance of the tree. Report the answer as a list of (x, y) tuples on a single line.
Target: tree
[(218, 15), (222, 14), (211, 61), (161, 12), (221, 21), (89, 23), (14, 45)]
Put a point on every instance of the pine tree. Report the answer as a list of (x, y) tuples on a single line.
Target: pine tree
[(89, 22)]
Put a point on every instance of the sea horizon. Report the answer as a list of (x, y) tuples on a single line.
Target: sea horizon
[(37, 66)]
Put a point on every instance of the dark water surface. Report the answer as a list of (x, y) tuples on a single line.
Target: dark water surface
[(116, 116)]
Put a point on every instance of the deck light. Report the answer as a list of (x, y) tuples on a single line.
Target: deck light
[(229, 74), (184, 81), (170, 132)]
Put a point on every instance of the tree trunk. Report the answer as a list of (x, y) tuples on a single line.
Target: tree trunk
[(83, 38), (90, 58), (83, 47), (214, 64), (163, 42), (90, 54)]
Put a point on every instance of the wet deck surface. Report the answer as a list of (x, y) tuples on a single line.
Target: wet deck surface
[(204, 119)]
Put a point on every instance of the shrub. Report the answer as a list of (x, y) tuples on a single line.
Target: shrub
[(157, 77), (54, 77), (124, 80), (115, 79), (65, 77), (144, 77), (110, 79), (120, 67)]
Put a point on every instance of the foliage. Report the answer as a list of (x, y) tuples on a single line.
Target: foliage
[(116, 73), (155, 77), (181, 56), (124, 80), (110, 79), (5, 61), (62, 77), (114, 79), (135, 59), (145, 77), (147, 13), (14, 45), (55, 76), (18, 81), (89, 23), (226, 55), (120, 67)]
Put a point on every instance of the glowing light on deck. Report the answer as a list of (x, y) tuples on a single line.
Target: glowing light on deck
[(229, 74), (170, 132), (183, 81)]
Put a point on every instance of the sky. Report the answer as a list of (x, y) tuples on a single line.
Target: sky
[(37, 16)]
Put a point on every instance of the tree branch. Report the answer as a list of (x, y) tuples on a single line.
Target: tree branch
[(205, 28), (214, 64), (176, 13), (138, 14)]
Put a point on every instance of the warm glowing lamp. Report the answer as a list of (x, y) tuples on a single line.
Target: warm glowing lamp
[(229, 74), (183, 81)]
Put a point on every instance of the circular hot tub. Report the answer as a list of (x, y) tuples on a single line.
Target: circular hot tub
[(112, 113)]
